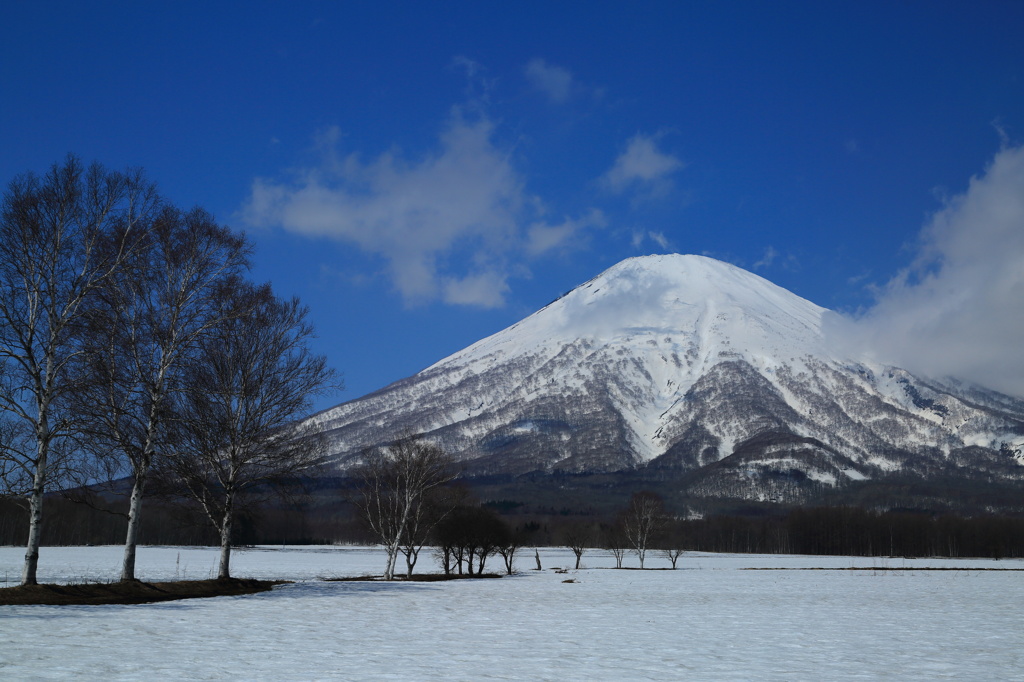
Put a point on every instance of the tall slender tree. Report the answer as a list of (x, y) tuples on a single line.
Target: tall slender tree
[(236, 418), (52, 261), (143, 330), (641, 521)]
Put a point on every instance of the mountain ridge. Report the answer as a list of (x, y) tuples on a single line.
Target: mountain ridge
[(679, 364)]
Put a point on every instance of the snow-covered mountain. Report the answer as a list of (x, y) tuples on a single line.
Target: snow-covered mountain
[(692, 369)]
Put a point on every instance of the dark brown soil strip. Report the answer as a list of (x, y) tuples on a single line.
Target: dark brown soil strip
[(134, 592)]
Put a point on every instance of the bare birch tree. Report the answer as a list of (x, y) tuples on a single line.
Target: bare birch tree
[(436, 505), (614, 540), (577, 537), (236, 417), (144, 327), (394, 481), (52, 261), (641, 521), (672, 541)]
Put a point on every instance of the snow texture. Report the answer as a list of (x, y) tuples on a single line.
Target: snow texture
[(710, 620)]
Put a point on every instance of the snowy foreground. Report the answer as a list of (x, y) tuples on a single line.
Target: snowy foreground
[(709, 620)]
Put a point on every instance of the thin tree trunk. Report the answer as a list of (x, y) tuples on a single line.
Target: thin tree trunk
[(131, 538), (225, 547), (410, 561)]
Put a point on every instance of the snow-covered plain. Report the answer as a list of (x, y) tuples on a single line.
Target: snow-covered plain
[(710, 620)]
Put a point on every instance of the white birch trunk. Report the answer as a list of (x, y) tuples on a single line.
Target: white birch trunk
[(134, 509), (389, 573), (224, 571), (35, 531), (35, 520)]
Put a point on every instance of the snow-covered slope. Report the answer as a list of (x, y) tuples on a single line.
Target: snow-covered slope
[(685, 364)]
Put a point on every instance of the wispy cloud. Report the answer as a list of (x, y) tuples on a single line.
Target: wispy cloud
[(773, 258), (770, 254), (451, 225), (958, 310), (554, 81), (641, 237), (642, 166)]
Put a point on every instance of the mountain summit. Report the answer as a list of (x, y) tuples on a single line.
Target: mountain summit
[(688, 369)]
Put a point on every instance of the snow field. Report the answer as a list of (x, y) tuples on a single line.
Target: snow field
[(710, 620)]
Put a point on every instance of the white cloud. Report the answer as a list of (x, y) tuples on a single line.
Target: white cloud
[(773, 258), (642, 164), (640, 237), (958, 310), (463, 203), (554, 81), (770, 254), (659, 239), (543, 238), (483, 290)]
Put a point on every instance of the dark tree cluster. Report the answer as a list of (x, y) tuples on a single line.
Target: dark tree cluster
[(850, 531), (469, 535)]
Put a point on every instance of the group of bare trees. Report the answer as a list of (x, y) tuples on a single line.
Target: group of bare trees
[(131, 345), (401, 495), (643, 526), (469, 535), (405, 499)]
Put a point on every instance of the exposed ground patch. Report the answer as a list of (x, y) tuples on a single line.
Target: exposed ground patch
[(133, 592)]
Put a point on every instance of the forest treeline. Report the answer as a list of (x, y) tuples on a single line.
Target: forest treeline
[(841, 531)]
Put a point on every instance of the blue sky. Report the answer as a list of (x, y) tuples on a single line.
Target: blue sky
[(425, 174)]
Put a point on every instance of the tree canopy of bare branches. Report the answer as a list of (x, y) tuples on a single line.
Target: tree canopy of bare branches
[(672, 540), (143, 329), (394, 482), (613, 538), (62, 237), (235, 422), (578, 537), (641, 521)]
